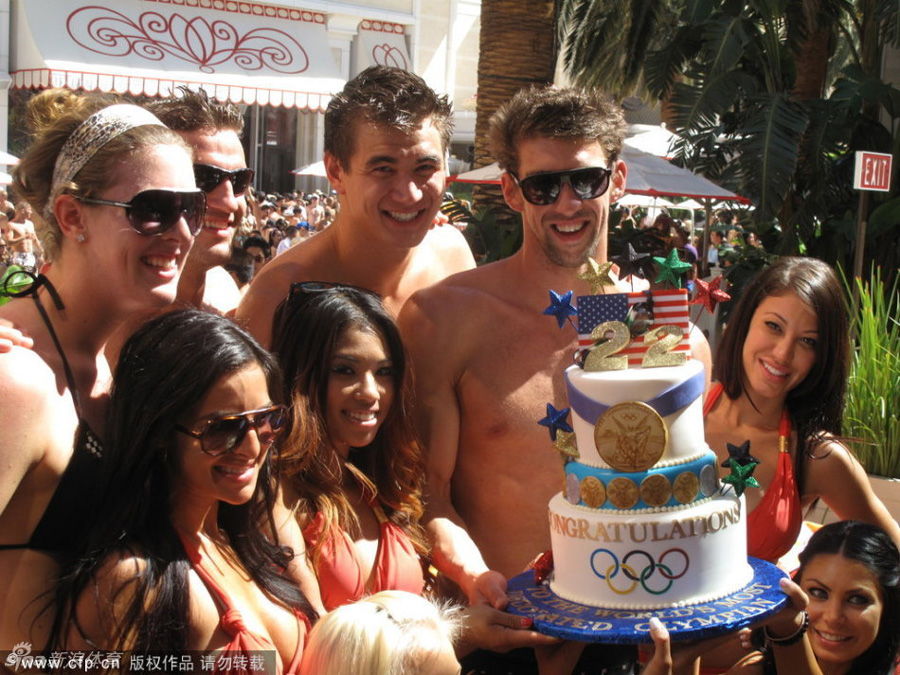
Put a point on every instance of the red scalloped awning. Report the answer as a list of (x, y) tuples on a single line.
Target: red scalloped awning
[(242, 52)]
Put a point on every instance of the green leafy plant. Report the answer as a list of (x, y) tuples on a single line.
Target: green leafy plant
[(489, 240), (873, 392)]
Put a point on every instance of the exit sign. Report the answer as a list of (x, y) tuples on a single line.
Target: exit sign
[(873, 171)]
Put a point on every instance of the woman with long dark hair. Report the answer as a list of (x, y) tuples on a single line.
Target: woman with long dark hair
[(178, 559), (352, 464), (851, 573), (781, 370)]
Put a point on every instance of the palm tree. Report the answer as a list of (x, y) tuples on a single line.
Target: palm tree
[(746, 84), (518, 48)]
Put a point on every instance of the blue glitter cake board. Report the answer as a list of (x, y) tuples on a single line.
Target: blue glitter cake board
[(561, 618)]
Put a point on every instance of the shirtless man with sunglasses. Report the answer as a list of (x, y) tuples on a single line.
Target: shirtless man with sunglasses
[(486, 359)]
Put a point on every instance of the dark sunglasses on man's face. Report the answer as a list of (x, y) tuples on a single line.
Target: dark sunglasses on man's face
[(219, 435), (156, 211), (542, 189), (210, 177)]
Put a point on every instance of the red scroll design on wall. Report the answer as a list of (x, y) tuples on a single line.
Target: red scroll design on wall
[(196, 40), (387, 55)]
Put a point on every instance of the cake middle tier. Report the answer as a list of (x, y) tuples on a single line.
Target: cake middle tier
[(662, 487)]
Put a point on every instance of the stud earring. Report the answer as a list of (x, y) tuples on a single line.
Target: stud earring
[(80, 238)]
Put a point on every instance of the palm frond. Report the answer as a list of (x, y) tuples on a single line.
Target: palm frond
[(771, 141)]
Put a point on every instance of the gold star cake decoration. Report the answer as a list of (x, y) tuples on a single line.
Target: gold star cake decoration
[(597, 275), (566, 445)]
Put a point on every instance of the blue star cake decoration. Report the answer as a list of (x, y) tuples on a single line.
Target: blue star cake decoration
[(561, 307), (555, 421)]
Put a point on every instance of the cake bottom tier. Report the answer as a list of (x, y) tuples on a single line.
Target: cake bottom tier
[(649, 560)]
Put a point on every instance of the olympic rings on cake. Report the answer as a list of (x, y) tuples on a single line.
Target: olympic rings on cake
[(647, 571)]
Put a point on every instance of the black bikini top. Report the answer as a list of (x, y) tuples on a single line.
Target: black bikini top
[(73, 505)]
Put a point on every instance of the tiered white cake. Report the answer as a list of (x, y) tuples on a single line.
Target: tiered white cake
[(642, 522)]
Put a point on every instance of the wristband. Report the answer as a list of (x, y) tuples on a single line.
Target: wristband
[(790, 639)]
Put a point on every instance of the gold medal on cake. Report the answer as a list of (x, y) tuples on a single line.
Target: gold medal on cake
[(686, 487), (656, 490), (622, 492), (593, 493), (631, 436)]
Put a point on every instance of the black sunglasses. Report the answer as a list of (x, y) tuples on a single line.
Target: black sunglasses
[(156, 211), (210, 177), (320, 286), (542, 189), (223, 434)]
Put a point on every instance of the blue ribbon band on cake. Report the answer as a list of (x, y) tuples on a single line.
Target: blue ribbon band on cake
[(668, 402)]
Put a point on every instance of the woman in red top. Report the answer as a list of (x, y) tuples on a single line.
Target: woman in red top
[(352, 464), (176, 560), (782, 368), (781, 372)]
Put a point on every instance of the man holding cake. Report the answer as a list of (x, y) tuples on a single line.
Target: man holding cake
[(486, 358)]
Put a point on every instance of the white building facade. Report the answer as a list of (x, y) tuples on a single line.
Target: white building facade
[(280, 62)]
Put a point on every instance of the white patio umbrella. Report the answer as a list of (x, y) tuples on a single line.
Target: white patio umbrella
[(647, 201), (690, 205), (314, 169), (8, 159), (651, 138)]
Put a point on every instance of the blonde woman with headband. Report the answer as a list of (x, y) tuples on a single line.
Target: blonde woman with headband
[(119, 207)]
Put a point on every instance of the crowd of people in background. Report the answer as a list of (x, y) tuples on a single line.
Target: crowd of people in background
[(662, 232)]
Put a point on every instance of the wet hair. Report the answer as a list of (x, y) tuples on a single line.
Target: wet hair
[(52, 117), (550, 112), (306, 330), (386, 97), (165, 369), (873, 548), (388, 633), (816, 404), (194, 110)]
